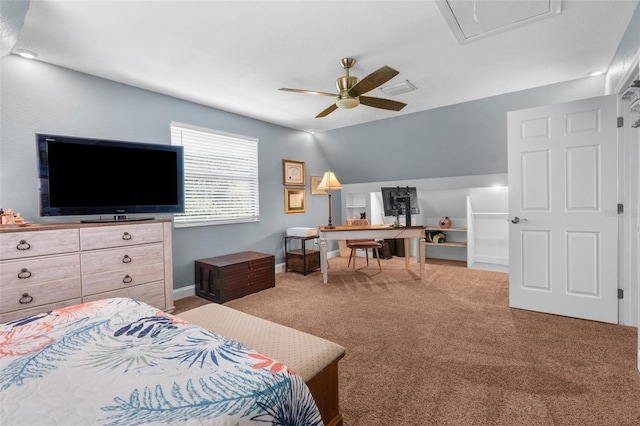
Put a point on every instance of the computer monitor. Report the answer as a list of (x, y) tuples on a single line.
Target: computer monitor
[(395, 201)]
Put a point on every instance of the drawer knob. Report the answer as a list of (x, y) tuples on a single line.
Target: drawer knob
[(126, 259), (24, 274), (23, 245), (25, 299), (127, 236), (127, 279)]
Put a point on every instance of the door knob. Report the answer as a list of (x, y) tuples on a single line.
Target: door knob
[(516, 219)]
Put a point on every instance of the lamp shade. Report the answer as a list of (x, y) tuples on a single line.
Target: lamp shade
[(329, 182)]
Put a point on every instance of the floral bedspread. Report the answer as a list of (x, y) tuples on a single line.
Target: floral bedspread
[(121, 362)]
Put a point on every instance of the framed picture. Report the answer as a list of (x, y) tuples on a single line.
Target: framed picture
[(293, 172), (315, 181), (294, 200)]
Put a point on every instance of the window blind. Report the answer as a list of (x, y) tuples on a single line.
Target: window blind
[(220, 177)]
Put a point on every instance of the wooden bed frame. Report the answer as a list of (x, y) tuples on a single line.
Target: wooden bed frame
[(324, 388), (313, 358)]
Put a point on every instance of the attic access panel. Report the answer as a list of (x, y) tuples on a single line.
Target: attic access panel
[(475, 19)]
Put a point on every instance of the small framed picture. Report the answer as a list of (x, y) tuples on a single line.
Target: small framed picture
[(315, 181), (294, 200), (293, 172)]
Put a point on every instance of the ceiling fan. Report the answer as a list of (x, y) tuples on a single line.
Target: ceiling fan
[(351, 89)]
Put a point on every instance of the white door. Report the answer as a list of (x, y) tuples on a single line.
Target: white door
[(563, 230)]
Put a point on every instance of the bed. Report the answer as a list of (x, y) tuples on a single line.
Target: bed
[(121, 362), (313, 358)]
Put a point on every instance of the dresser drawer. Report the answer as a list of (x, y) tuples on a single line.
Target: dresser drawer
[(19, 245), (121, 259), (120, 235), (10, 316), (19, 273), (150, 293), (38, 294), (121, 278)]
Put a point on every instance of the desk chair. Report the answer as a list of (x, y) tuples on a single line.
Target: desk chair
[(362, 245)]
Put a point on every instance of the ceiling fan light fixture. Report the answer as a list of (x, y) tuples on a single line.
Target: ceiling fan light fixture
[(352, 90), (347, 103)]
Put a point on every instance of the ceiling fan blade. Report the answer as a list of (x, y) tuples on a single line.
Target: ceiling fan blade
[(327, 111), (373, 80), (308, 92), (382, 103)]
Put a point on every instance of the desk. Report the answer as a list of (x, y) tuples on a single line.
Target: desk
[(378, 232)]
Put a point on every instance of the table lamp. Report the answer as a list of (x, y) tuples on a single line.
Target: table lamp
[(328, 183)]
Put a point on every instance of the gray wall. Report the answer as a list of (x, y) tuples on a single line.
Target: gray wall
[(625, 53), (459, 140), (12, 14), (42, 98)]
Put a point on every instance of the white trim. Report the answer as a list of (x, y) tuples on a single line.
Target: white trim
[(213, 132), (184, 292)]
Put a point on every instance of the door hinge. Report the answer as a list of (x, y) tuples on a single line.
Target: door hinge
[(620, 122), (620, 208), (620, 293)]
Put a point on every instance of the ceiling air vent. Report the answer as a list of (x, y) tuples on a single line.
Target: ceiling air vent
[(396, 89)]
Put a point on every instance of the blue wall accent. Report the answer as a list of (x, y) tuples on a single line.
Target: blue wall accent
[(466, 139), (42, 98)]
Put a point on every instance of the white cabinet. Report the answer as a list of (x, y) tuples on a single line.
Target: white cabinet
[(44, 267)]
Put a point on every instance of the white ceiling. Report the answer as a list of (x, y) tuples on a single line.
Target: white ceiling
[(234, 55)]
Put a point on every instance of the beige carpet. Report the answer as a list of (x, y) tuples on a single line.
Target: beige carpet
[(448, 350)]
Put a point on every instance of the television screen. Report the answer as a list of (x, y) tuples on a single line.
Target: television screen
[(394, 200), (81, 176)]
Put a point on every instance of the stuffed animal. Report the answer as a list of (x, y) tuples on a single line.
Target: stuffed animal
[(435, 237)]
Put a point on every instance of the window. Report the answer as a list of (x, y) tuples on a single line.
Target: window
[(220, 177)]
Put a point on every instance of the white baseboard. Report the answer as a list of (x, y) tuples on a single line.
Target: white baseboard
[(182, 292), (190, 290)]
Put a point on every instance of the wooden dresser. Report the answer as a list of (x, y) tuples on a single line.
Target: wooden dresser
[(228, 277), (43, 267)]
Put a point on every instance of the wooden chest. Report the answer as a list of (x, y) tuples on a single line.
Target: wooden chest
[(229, 277)]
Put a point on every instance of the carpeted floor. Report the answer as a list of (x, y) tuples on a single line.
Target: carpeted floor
[(448, 350)]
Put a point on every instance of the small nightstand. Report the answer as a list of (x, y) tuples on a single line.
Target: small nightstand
[(301, 260)]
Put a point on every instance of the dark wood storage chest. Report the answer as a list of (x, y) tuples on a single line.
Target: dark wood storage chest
[(229, 277)]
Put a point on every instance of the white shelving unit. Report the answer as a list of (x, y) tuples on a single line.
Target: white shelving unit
[(455, 242), (448, 242), (487, 238), (356, 203)]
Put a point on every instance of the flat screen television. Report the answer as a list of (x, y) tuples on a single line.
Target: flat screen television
[(394, 200), (83, 176)]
